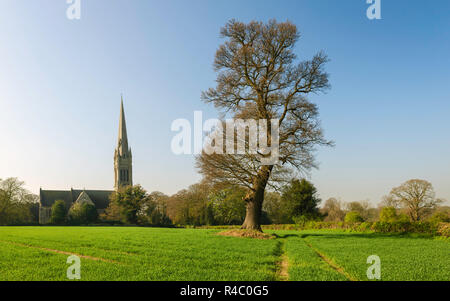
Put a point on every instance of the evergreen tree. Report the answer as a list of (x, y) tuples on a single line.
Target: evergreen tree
[(299, 198), (58, 215)]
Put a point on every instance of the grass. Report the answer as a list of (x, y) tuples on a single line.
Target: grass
[(306, 264), (403, 257), (137, 253), (133, 253)]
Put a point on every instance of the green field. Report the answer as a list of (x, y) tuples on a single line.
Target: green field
[(133, 253)]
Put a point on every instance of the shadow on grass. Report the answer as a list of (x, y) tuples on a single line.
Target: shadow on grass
[(278, 250), (368, 235), (286, 235)]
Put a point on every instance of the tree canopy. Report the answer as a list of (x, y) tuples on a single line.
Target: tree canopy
[(58, 213), (417, 196), (16, 203), (300, 199), (260, 78)]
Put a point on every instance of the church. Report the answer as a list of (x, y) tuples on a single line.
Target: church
[(123, 176)]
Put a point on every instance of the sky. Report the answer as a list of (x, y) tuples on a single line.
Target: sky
[(61, 80)]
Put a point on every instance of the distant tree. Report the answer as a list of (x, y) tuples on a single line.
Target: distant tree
[(74, 214), (353, 217), (260, 79), (82, 213), (17, 204), (128, 201), (390, 201), (191, 206), (112, 213), (299, 198), (402, 217), (417, 197), (333, 211), (58, 213), (388, 214), (372, 214), (229, 206), (154, 210), (89, 212), (177, 207), (272, 205), (364, 209), (34, 208), (440, 216)]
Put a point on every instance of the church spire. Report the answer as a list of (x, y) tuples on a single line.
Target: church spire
[(122, 143), (123, 168)]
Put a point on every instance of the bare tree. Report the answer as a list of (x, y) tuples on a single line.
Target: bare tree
[(361, 207), (389, 201), (259, 77), (333, 210), (15, 202), (417, 196), (190, 206)]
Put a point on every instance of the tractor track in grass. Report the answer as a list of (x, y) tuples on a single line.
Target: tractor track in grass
[(282, 265), (331, 263), (61, 252)]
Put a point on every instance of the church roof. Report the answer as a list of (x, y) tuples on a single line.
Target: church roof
[(100, 198), (84, 198)]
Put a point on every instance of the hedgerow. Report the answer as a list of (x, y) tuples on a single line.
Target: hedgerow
[(444, 229), (433, 228)]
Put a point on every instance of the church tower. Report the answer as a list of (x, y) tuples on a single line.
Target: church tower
[(123, 170)]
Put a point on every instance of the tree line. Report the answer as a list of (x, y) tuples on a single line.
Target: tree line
[(223, 204), (415, 200), (294, 203)]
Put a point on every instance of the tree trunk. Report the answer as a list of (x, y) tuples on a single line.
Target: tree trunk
[(253, 215), (255, 201)]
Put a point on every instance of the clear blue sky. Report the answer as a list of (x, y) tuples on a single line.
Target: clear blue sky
[(60, 84)]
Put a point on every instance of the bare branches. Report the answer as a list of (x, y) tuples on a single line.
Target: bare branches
[(415, 195), (259, 78)]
